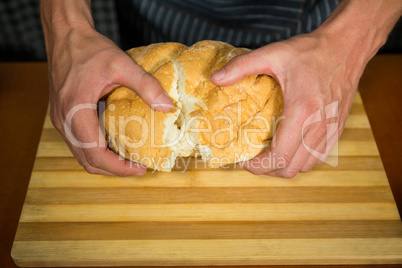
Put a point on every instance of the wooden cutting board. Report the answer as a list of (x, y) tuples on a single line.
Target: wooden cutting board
[(331, 215)]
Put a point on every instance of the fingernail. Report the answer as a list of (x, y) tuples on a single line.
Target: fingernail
[(142, 170), (141, 173), (218, 75), (163, 102), (244, 164)]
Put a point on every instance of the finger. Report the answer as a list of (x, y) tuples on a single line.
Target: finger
[(314, 142), (61, 128), (324, 146), (285, 143), (296, 164), (254, 62), (327, 146), (109, 162), (90, 139), (313, 159), (296, 138), (81, 158), (94, 170), (313, 147), (144, 84), (331, 142)]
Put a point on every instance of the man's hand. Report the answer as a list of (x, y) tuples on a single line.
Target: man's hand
[(310, 81), (83, 67), (319, 73)]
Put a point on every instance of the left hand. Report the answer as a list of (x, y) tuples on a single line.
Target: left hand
[(318, 75)]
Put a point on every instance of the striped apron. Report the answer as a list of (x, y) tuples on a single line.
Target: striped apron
[(243, 23)]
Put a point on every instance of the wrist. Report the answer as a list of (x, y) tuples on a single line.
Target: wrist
[(360, 28), (60, 18)]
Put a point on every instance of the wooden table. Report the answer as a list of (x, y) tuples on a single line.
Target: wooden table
[(23, 105)]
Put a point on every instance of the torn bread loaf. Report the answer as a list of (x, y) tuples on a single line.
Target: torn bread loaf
[(222, 124)]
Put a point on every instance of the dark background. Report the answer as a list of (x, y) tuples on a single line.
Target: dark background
[(21, 36)]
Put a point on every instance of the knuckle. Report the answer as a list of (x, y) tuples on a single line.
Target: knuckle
[(94, 160), (90, 169), (55, 121), (118, 67), (321, 130), (147, 82), (117, 64), (240, 61), (311, 109), (65, 110), (63, 106), (284, 160), (310, 114)]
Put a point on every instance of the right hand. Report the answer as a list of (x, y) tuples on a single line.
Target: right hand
[(83, 67)]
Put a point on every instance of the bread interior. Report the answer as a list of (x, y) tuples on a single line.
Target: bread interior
[(180, 133)]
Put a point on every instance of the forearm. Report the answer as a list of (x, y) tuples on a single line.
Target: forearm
[(59, 18), (362, 27), (318, 72)]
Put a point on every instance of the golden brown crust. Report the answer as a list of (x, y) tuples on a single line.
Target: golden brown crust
[(239, 118), (133, 120)]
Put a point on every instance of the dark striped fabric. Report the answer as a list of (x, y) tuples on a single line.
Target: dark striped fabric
[(21, 36), (245, 23)]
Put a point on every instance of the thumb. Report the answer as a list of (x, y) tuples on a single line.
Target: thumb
[(254, 62), (146, 86)]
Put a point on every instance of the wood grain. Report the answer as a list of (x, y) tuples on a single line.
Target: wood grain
[(81, 179), (206, 252), (140, 230), (207, 212), (196, 195), (199, 216)]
